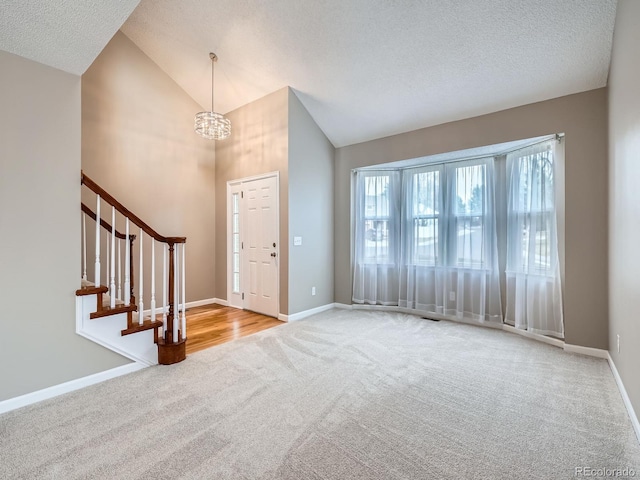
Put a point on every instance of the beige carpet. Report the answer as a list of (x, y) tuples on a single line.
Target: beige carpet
[(341, 395)]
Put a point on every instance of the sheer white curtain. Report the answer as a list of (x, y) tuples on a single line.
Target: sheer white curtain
[(449, 261), (533, 287), (377, 237)]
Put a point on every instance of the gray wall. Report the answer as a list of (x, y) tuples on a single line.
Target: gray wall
[(583, 118), (40, 228), (258, 144), (624, 197), (310, 210), (138, 144)]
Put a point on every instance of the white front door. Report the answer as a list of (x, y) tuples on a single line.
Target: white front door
[(253, 218), (260, 246)]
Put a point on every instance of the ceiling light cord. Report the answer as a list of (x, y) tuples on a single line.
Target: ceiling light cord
[(213, 58)]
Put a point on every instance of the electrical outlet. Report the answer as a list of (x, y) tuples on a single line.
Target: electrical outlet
[(452, 296), (313, 290), (618, 343)]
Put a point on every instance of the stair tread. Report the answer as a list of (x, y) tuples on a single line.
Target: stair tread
[(146, 325), (106, 311), (91, 290), (88, 288)]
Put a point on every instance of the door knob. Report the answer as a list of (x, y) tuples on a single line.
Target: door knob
[(273, 254)]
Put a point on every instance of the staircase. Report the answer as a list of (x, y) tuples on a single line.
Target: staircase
[(107, 309)]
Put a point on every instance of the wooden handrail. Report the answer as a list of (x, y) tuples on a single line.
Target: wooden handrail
[(93, 186), (104, 224)]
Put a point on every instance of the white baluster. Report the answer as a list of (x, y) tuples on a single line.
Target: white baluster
[(84, 247), (119, 270), (106, 270), (184, 296), (127, 265), (153, 280), (176, 298), (164, 288), (141, 276), (112, 285), (97, 266)]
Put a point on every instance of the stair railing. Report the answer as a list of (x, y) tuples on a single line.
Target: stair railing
[(87, 212), (171, 342)]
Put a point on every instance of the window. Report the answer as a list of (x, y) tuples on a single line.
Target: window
[(468, 204), (531, 212), (447, 230), (235, 241), (426, 238), (377, 234), (533, 283), (425, 210), (376, 214)]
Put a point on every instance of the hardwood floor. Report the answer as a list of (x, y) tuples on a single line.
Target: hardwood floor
[(214, 324)]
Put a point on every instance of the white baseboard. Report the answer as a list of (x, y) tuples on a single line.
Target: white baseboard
[(196, 303), (343, 306), (205, 301), (282, 317), (66, 387), (591, 352), (556, 342), (307, 313), (380, 308), (625, 397), (418, 313)]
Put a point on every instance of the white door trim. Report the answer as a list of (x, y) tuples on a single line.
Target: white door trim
[(231, 186)]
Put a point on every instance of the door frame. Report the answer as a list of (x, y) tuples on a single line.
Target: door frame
[(234, 299)]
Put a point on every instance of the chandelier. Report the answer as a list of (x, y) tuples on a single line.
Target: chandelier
[(212, 125)]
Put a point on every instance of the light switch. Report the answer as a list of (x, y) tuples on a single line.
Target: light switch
[(297, 241)]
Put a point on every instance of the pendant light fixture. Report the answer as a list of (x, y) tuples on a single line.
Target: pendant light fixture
[(212, 125)]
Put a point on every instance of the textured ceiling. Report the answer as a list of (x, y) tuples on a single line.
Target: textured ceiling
[(363, 68), (65, 34), (370, 68)]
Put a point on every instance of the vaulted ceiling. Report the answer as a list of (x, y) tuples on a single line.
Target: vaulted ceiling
[(363, 68), (65, 34)]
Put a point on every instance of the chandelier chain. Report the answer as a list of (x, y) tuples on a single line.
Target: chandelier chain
[(213, 61)]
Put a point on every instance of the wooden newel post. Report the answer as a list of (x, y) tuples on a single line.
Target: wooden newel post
[(171, 349), (169, 333)]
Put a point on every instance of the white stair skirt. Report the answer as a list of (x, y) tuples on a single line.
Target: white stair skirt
[(106, 332)]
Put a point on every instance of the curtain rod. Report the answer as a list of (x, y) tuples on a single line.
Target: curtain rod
[(556, 136)]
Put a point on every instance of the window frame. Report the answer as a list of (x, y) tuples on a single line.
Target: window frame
[(515, 254), (411, 217), (453, 216), (390, 257)]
